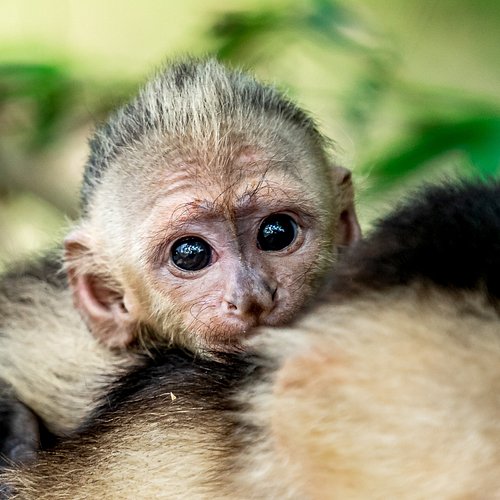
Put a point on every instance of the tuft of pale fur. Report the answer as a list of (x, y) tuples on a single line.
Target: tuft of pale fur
[(192, 105)]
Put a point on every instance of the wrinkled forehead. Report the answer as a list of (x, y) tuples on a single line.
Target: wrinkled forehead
[(246, 182), (226, 171)]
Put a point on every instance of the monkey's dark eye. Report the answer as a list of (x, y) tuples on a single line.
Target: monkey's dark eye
[(276, 232), (191, 253)]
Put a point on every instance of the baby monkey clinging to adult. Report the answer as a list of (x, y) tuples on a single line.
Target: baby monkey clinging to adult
[(209, 207), (391, 389)]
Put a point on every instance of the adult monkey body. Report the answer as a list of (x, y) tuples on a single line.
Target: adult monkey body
[(391, 392), (209, 207)]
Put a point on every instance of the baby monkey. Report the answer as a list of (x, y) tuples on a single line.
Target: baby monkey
[(209, 207)]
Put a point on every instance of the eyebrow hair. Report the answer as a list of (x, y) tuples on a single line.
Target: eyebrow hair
[(194, 211), (276, 197)]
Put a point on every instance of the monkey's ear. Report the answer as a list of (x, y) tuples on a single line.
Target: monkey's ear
[(348, 229), (100, 300)]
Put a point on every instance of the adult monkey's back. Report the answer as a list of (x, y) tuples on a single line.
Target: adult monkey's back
[(209, 206)]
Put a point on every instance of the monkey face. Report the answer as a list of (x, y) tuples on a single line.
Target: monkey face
[(210, 256), (236, 260)]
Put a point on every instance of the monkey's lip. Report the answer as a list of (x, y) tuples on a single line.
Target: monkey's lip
[(231, 333), (231, 330)]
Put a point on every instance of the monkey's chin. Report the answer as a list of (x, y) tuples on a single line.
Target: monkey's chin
[(226, 336)]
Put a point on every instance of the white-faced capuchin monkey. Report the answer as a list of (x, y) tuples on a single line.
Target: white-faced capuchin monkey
[(388, 389), (210, 206)]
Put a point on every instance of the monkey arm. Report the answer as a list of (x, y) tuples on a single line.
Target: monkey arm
[(19, 429)]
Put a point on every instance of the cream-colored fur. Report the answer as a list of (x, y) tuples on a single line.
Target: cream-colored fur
[(389, 396), (399, 399)]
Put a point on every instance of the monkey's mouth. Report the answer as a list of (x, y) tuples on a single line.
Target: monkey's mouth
[(228, 334), (225, 334)]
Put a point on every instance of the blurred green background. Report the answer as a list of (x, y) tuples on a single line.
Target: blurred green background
[(409, 90)]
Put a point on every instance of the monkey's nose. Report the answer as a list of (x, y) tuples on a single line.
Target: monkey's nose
[(251, 304)]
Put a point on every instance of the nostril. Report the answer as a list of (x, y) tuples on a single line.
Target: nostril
[(255, 310), (273, 295), (231, 306)]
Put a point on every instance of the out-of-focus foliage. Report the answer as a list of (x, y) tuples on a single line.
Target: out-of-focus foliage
[(46, 86), (475, 135), (239, 35), (448, 123), (393, 104)]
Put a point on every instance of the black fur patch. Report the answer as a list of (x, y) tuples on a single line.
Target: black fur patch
[(448, 235), (183, 74), (210, 382)]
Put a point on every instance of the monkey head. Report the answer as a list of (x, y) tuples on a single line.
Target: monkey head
[(209, 207)]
